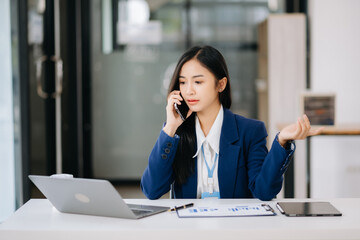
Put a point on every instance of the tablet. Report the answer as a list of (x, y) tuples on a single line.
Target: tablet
[(295, 209)]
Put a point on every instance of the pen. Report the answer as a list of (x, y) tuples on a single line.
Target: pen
[(181, 207)]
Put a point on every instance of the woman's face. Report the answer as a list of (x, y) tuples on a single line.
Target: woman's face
[(198, 87)]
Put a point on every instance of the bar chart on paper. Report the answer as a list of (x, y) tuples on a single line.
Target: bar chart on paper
[(258, 209)]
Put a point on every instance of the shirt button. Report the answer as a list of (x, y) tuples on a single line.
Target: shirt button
[(169, 144), (163, 156), (167, 150)]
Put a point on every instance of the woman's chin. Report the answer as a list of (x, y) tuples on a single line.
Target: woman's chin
[(194, 109)]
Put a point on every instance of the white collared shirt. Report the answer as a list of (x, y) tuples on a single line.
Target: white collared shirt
[(211, 147)]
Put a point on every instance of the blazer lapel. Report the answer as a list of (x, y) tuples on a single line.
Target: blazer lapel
[(229, 154)]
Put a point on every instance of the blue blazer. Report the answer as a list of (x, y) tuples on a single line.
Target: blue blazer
[(246, 168)]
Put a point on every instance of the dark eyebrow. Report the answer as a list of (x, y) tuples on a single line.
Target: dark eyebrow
[(196, 76)]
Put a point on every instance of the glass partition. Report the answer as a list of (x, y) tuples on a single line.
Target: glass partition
[(7, 153), (130, 81)]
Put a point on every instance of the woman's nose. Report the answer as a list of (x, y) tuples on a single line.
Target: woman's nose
[(190, 89)]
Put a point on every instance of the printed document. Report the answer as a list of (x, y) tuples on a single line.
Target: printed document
[(254, 209)]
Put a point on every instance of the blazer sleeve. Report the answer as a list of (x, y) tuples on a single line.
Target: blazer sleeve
[(266, 169), (158, 176)]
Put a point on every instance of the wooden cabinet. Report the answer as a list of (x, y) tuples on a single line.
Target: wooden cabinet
[(282, 68), (282, 78)]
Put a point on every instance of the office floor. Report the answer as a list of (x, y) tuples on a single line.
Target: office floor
[(129, 191)]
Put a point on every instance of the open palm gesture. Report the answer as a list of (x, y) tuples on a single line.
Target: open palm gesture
[(297, 131)]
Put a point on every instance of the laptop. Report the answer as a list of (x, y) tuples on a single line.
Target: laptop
[(91, 197)]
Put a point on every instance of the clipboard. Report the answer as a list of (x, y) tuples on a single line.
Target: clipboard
[(238, 210)]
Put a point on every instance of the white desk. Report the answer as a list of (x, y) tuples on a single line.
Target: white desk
[(37, 219)]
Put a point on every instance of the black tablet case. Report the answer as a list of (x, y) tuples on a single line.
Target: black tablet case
[(294, 209)]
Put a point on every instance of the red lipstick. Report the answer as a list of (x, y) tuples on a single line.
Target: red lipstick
[(192, 101)]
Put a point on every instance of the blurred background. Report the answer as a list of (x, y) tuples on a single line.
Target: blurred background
[(84, 84)]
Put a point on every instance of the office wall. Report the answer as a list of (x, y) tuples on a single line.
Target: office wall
[(335, 54), (7, 178), (335, 67)]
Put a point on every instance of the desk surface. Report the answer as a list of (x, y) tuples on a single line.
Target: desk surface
[(340, 129), (343, 129), (37, 219)]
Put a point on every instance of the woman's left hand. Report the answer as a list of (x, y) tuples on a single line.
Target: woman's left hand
[(296, 131)]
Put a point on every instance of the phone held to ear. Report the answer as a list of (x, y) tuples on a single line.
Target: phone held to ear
[(182, 110)]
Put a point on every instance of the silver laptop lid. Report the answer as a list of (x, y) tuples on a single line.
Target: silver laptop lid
[(84, 196)]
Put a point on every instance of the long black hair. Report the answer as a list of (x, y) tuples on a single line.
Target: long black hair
[(184, 163)]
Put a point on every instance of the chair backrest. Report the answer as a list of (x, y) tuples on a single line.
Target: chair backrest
[(172, 192)]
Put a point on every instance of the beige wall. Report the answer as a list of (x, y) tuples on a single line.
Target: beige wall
[(335, 67)]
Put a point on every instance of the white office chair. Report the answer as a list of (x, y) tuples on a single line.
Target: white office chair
[(172, 192)]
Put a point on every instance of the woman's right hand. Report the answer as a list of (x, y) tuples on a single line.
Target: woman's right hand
[(173, 119)]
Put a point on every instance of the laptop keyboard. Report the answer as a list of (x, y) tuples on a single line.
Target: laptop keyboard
[(139, 212)]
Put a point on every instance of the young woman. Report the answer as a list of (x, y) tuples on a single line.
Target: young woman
[(215, 153)]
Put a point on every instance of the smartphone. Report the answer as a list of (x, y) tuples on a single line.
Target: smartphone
[(182, 109)]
